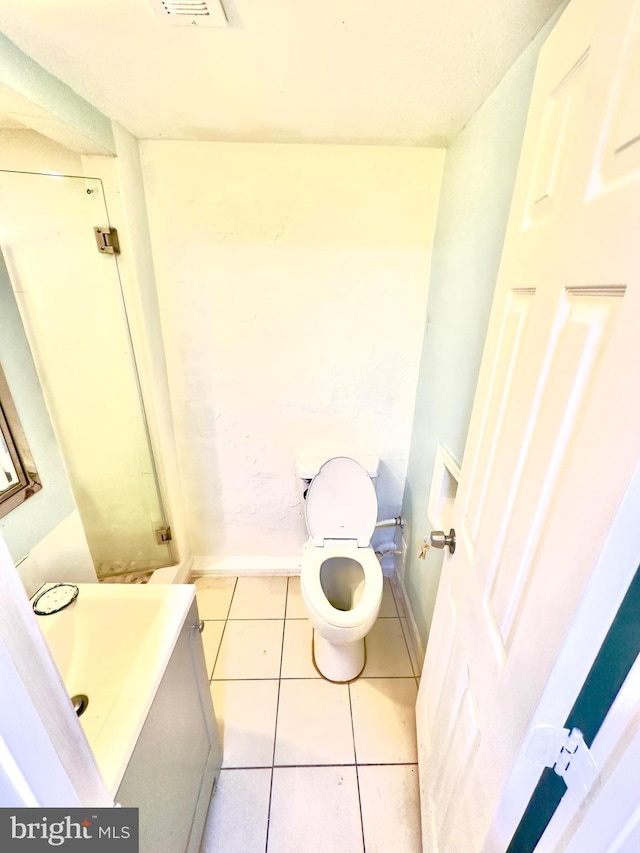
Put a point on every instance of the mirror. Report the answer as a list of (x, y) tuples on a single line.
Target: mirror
[(18, 476)]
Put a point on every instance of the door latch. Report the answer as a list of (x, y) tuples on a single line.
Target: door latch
[(440, 539)]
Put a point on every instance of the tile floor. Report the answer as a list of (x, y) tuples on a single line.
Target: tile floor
[(308, 766)]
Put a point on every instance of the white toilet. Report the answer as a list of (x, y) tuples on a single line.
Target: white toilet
[(340, 577)]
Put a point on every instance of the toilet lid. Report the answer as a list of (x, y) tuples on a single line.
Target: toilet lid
[(341, 502)]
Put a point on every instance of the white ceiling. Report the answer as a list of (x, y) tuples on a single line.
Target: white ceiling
[(340, 71)]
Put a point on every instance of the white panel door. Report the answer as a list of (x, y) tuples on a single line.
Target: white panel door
[(555, 432)]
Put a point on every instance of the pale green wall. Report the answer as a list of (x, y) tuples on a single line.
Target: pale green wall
[(29, 523), (479, 175), (21, 74), (26, 525)]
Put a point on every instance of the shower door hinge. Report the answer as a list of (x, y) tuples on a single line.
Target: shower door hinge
[(163, 535), (107, 240)]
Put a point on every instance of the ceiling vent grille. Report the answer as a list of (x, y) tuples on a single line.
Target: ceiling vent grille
[(190, 13)]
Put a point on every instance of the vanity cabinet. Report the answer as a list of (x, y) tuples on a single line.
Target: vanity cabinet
[(177, 757)]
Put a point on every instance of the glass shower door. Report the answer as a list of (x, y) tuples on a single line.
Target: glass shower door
[(72, 307)]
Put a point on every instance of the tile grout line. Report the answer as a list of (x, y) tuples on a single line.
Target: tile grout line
[(355, 757), (316, 766), (226, 619), (275, 733), (406, 645), (395, 600), (404, 636), (313, 678), (393, 596), (275, 618)]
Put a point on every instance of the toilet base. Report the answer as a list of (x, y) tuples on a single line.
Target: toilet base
[(338, 663)]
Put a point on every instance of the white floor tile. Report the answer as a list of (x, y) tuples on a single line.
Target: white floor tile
[(246, 715), (214, 596), (388, 605), (387, 653), (384, 721), (314, 723), (237, 820), (297, 660), (250, 649), (390, 800), (211, 636), (259, 598), (315, 810), (296, 608)]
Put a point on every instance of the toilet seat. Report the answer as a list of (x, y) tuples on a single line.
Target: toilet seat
[(341, 503), (314, 595)]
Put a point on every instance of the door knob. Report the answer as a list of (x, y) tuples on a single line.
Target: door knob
[(440, 539)]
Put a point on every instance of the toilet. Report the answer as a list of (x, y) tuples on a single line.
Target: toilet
[(340, 576)]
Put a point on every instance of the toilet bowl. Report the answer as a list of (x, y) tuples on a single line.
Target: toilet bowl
[(340, 577)]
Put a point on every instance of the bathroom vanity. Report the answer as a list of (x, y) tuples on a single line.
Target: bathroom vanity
[(135, 651)]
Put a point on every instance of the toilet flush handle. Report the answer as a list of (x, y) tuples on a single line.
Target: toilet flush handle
[(440, 539)]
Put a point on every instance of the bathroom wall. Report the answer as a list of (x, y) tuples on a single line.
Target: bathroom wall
[(45, 103), (476, 193), (47, 523), (44, 534), (71, 306), (24, 150), (29, 522), (293, 283)]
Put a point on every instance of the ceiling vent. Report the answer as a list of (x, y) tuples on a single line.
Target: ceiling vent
[(190, 13)]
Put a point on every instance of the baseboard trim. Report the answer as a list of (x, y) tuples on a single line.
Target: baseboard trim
[(412, 627), (245, 566), (173, 574)]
